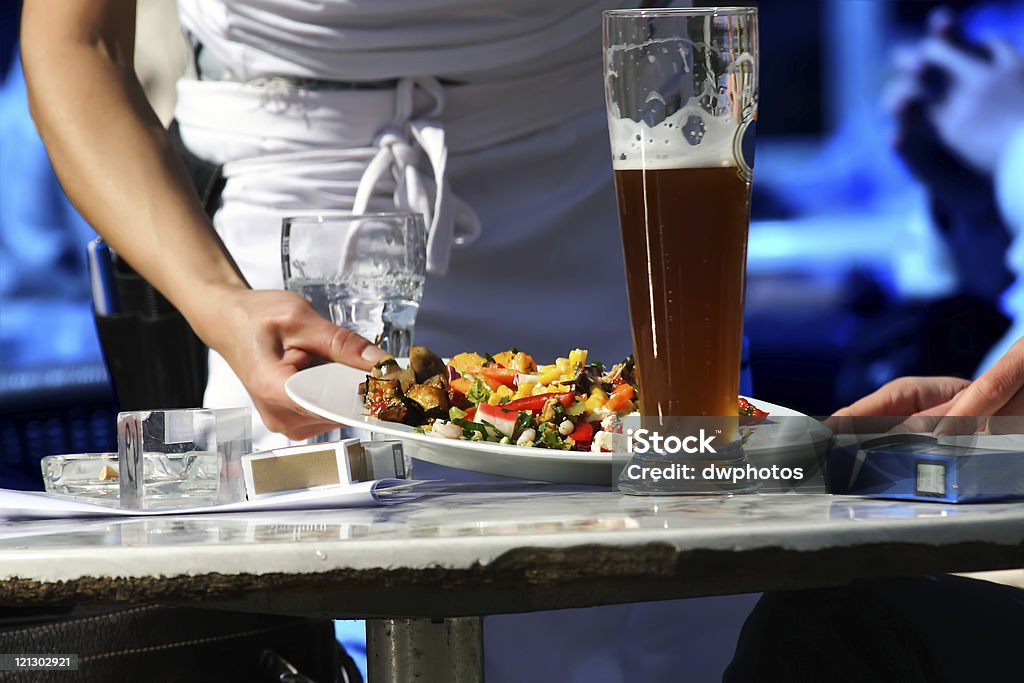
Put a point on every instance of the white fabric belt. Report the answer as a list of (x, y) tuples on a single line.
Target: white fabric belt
[(375, 143)]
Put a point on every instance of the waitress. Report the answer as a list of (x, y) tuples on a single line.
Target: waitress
[(484, 115), (487, 117)]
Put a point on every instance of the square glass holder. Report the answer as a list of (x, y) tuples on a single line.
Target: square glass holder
[(179, 458)]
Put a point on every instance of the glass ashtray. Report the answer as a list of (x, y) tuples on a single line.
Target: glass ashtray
[(170, 478)]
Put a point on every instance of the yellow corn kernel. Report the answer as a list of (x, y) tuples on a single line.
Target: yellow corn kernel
[(550, 375), (496, 396), (577, 357), (593, 403), (525, 390), (599, 392)]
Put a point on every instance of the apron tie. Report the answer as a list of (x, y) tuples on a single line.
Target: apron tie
[(450, 221)]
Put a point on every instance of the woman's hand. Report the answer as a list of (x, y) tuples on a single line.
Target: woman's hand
[(949, 405), (268, 336), (908, 396)]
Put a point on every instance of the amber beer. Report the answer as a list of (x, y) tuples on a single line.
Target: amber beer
[(684, 234), (681, 93)]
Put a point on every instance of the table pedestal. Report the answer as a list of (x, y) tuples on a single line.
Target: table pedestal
[(443, 650)]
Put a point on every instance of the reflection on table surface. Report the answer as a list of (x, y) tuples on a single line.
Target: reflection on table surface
[(518, 512)]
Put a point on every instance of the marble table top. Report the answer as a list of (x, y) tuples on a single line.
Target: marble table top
[(483, 549)]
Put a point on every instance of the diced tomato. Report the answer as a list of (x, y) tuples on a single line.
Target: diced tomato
[(506, 376), (491, 382), (624, 390), (584, 432), (535, 403), (621, 398), (457, 390), (461, 385), (749, 413), (471, 413)]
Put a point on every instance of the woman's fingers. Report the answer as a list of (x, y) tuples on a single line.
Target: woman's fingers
[(307, 330), (905, 396), (996, 390)]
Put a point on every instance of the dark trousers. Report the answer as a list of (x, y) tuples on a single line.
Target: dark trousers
[(932, 629)]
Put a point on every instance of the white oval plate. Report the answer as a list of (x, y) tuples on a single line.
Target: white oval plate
[(332, 392)]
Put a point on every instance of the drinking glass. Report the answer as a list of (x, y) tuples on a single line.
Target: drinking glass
[(362, 272), (681, 92)]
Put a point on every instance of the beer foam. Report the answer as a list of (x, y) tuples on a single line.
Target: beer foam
[(689, 138)]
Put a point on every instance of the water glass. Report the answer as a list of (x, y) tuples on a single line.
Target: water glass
[(364, 272)]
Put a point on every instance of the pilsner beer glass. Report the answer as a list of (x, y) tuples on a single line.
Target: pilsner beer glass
[(681, 91)]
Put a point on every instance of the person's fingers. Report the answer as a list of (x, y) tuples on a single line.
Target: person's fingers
[(917, 424), (905, 396), (278, 411), (959, 64), (1009, 420), (941, 409), (996, 389), (861, 424), (310, 332), (958, 424)]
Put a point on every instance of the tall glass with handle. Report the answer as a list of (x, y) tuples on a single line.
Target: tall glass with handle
[(681, 90)]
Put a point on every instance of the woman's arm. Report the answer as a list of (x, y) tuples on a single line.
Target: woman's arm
[(118, 167), (110, 151)]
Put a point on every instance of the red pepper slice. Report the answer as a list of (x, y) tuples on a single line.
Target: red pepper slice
[(584, 432), (749, 413), (532, 403)]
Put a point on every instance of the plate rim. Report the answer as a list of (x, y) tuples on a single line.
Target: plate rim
[(398, 430)]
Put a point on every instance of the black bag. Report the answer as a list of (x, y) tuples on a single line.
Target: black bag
[(175, 645)]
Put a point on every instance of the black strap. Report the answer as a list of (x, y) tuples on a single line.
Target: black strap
[(207, 177)]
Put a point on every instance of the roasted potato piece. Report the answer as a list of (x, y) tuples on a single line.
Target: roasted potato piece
[(432, 400), (425, 363)]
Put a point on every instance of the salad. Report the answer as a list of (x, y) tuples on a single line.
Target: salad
[(572, 404)]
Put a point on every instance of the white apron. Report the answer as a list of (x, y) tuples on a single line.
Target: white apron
[(524, 248)]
